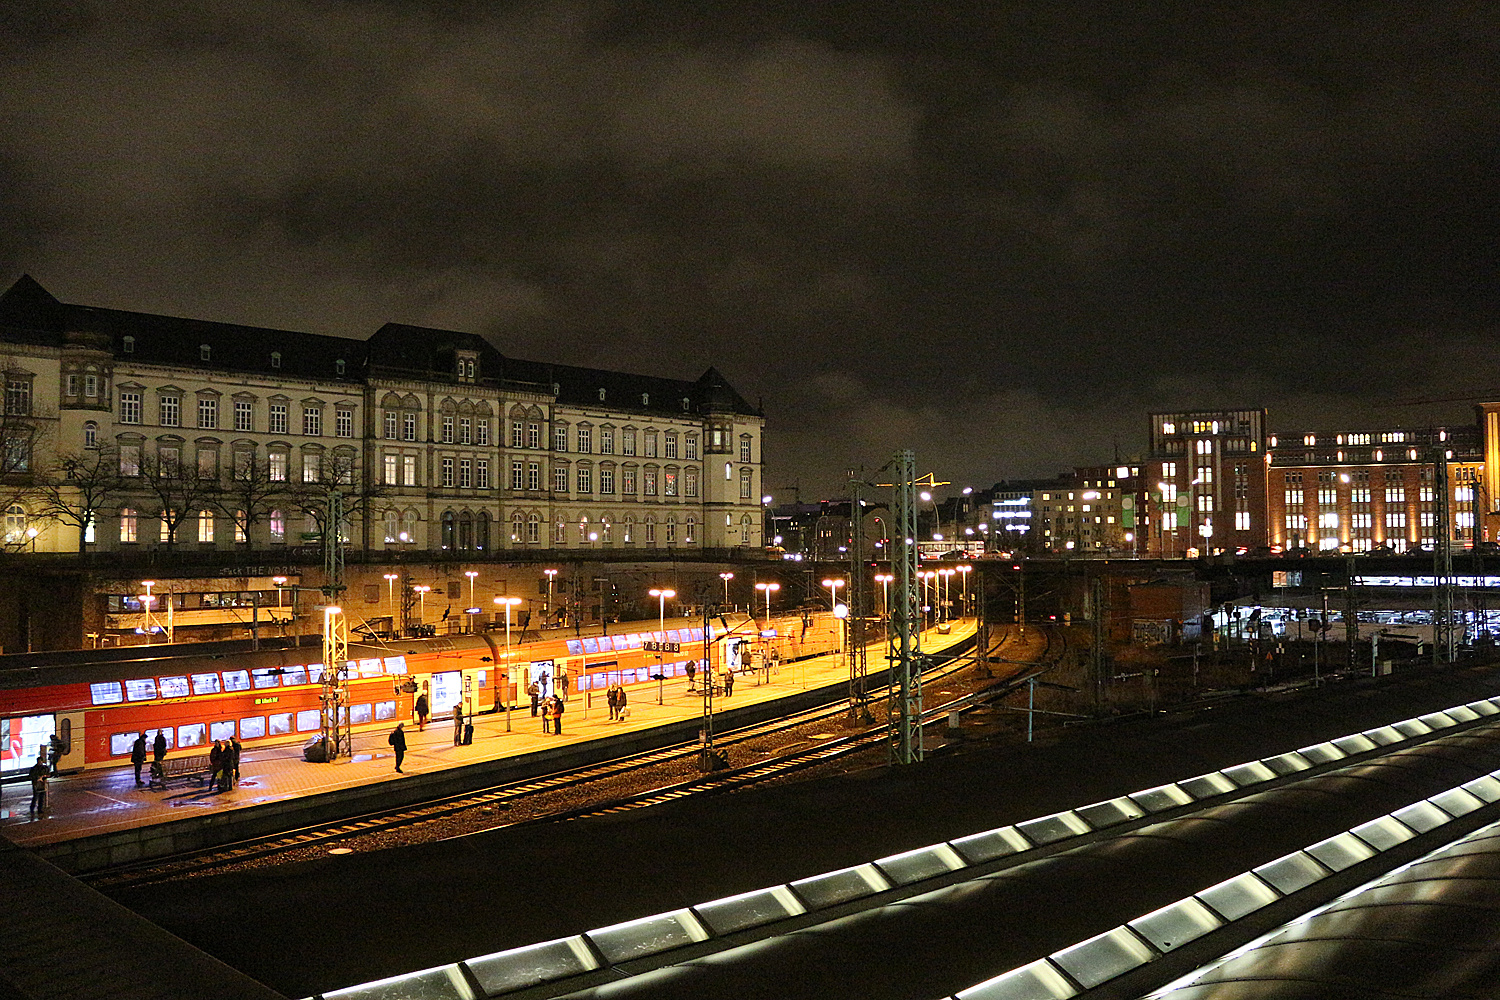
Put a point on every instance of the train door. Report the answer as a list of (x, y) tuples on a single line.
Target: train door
[(22, 738), (70, 731)]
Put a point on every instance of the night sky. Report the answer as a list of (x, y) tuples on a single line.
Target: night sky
[(996, 233)]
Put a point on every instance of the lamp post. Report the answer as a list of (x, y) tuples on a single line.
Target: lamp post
[(507, 603), (551, 573), (964, 571), (471, 574), (146, 602), (390, 585), (421, 590), (833, 586), (768, 589), (841, 613), (946, 575), (726, 577), (884, 579), (661, 594)]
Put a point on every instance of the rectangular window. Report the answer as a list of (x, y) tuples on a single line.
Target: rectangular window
[(447, 472), (560, 479), (72, 384), (606, 481), (692, 450), (515, 434), (669, 484), (585, 481), (744, 447), (239, 527), (690, 482), (392, 420), (392, 470), (170, 409), (205, 526), (585, 440), (650, 483), (208, 463), (278, 418), (343, 423), (312, 467), (745, 487), (308, 720), (191, 735), (606, 441), (106, 693), (1242, 520), (517, 476), (447, 429), (130, 460), (671, 445), (278, 466), (650, 532), (533, 529), (465, 474), (650, 444), (627, 482), (244, 415), (533, 475), (312, 421), (627, 441), (482, 474), (533, 435), (18, 397), (482, 432), (671, 527), (130, 407), (208, 413), (127, 525), (465, 430), (408, 470), (141, 690), (278, 530), (408, 427), (559, 439)]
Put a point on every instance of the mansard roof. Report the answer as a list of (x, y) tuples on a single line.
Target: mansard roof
[(28, 313)]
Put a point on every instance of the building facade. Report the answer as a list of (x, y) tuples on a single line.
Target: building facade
[(1207, 476), (130, 430)]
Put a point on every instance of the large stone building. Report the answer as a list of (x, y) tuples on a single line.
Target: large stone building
[(155, 431)]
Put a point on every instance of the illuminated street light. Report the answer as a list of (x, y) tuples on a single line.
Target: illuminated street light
[(551, 573), (390, 584), (884, 579), (768, 589), (726, 577), (421, 590), (833, 591), (507, 603), (965, 569), (471, 574)]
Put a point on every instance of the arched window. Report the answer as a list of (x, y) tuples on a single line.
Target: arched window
[(605, 527), (392, 525), (534, 528), (560, 532), (409, 527), (650, 531), (629, 538), (466, 531), (671, 529), (447, 536), (746, 524), (90, 434), (482, 531), (516, 522), (15, 524), (689, 529)]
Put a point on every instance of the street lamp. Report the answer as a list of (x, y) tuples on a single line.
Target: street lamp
[(946, 578), (726, 577), (661, 594), (148, 584), (965, 570), (833, 591), (884, 579), (768, 589), (390, 584), (421, 590), (471, 574), (507, 603), (550, 574), (841, 612)]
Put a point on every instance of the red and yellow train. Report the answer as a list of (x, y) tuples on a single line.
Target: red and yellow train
[(272, 696)]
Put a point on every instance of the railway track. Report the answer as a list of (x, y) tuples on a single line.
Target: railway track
[(501, 797)]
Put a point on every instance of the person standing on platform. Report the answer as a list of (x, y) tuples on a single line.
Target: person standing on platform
[(216, 765), (728, 683), (535, 691), (546, 716), (397, 740), (458, 724), (609, 699), (159, 747), (557, 714), (422, 709), (234, 760), (620, 701), (138, 756), (54, 750), (692, 670), (39, 786)]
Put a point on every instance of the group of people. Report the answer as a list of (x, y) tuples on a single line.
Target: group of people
[(615, 695), (158, 754), (552, 713), (224, 763)]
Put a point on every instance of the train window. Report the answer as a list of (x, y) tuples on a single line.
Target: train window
[(253, 728), (141, 690), (385, 711), (120, 744), (395, 664), (315, 673), (191, 736), (169, 733), (484, 678), (236, 680), (371, 667), (293, 675), (174, 687), (222, 729), (281, 724), (205, 684), (359, 714), (107, 693), (309, 720), (264, 678)]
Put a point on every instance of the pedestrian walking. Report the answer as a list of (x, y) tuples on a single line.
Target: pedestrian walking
[(234, 758), (692, 671), (39, 773), (557, 714), (397, 740), (159, 747), (535, 691), (138, 756), (422, 708), (728, 683), (458, 724)]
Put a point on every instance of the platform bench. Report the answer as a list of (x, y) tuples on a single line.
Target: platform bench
[(196, 766)]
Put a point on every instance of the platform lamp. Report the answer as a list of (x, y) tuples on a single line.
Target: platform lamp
[(885, 579), (768, 589), (421, 591), (507, 603), (946, 573), (146, 603), (390, 586), (551, 575), (726, 577), (964, 570), (833, 586)]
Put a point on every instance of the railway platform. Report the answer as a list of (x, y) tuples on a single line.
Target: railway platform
[(99, 802)]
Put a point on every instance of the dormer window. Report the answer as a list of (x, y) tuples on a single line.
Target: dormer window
[(275, 359), (645, 399), (468, 367), (601, 395), (556, 388), (339, 366), (203, 352), (686, 404), (127, 345)]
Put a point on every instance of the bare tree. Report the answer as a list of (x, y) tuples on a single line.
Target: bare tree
[(179, 490), (19, 480), (79, 486), (335, 473), (251, 493)]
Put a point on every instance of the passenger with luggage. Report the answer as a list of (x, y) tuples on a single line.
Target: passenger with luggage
[(557, 714), (138, 756), (458, 725), (535, 691), (609, 699), (397, 740), (620, 701), (39, 786), (159, 747)]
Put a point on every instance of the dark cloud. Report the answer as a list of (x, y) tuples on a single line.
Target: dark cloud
[(993, 232)]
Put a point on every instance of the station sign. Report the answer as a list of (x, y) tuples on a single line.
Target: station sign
[(651, 646)]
